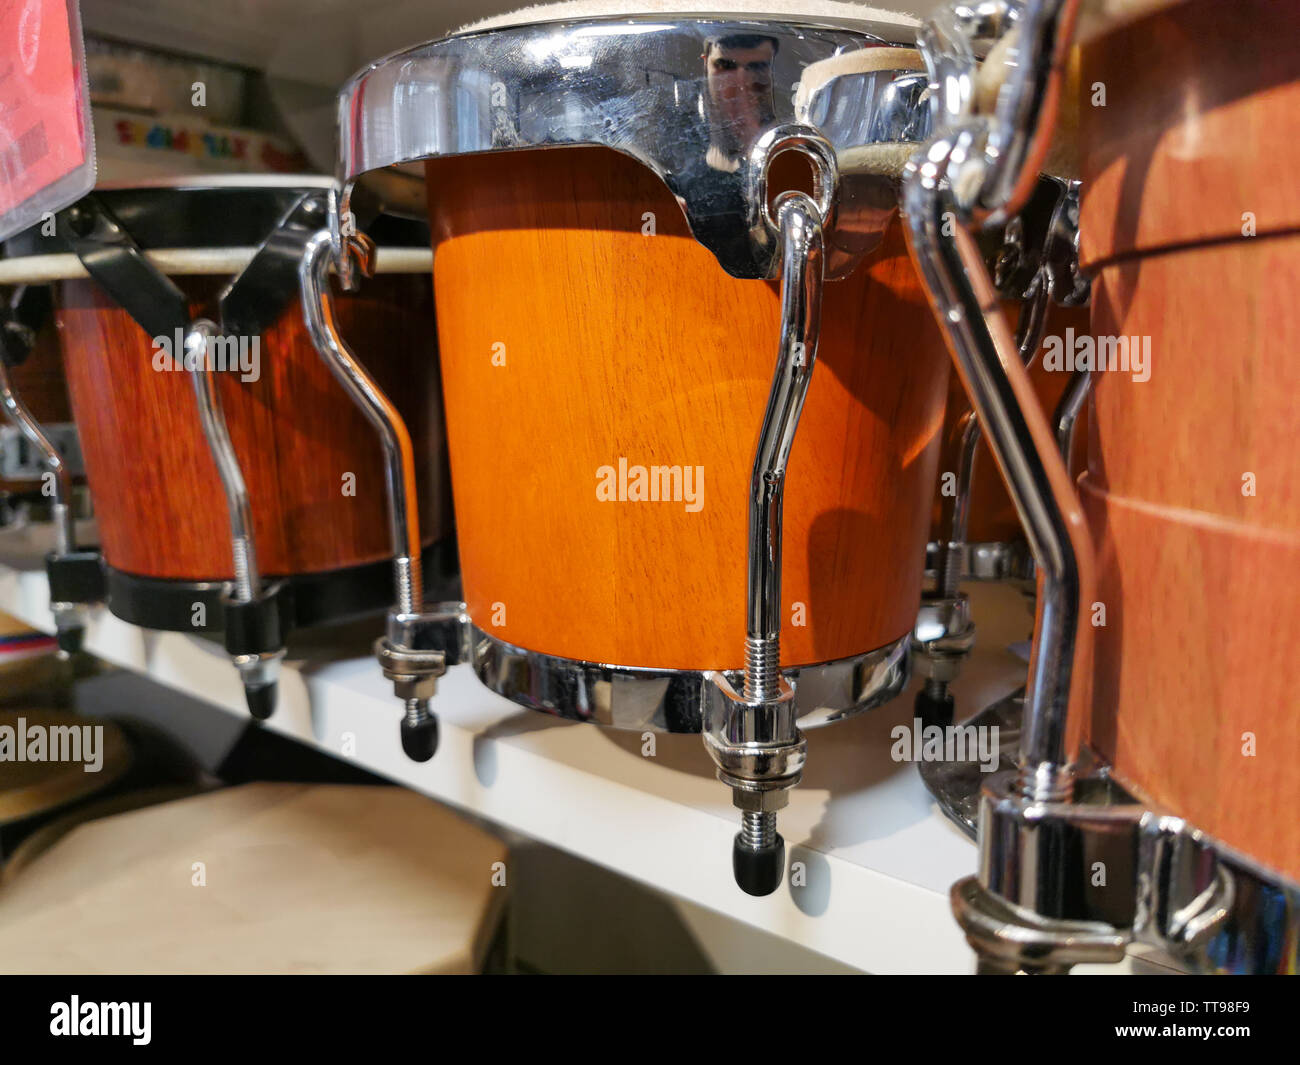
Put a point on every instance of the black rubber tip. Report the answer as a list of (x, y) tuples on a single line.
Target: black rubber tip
[(70, 641), (420, 742), (261, 700), (934, 711), (758, 872)]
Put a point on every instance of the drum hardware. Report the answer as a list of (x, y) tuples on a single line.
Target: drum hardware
[(1037, 263), (28, 310), (74, 575), (955, 784), (19, 462), (592, 82), (753, 735), (255, 616), (463, 78), (1048, 829), (945, 634), (253, 627), (965, 172), (419, 641), (1067, 411)]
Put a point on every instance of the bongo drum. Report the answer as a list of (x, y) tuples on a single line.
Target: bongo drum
[(608, 312), (311, 518), (1157, 743), (1191, 486)]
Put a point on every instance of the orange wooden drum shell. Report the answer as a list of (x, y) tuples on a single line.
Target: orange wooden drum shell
[(617, 344), (992, 517), (158, 500), (1193, 485)]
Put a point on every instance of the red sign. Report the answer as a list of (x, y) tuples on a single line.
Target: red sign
[(46, 152)]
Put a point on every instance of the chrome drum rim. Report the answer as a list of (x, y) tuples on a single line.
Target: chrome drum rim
[(672, 700)]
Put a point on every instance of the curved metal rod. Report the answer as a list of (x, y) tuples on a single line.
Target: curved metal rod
[(802, 244), (399, 455), (248, 578), (952, 554), (1067, 411), (1027, 105), (985, 355), (1029, 338), (65, 539)]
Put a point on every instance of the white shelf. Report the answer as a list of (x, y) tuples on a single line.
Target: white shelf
[(880, 857)]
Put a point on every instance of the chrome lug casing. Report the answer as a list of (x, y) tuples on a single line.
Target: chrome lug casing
[(637, 85)]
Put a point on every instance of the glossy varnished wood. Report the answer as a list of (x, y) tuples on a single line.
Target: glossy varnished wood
[(1197, 129), (1193, 482), (1199, 577), (159, 503), (622, 344)]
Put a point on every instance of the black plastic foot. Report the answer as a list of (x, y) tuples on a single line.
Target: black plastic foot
[(70, 641), (934, 711), (420, 742), (261, 700), (758, 872)]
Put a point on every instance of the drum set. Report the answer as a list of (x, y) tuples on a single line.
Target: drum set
[(682, 375)]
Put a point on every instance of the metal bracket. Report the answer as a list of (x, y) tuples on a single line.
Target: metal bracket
[(27, 312), (1070, 883), (20, 460), (112, 257), (258, 296)]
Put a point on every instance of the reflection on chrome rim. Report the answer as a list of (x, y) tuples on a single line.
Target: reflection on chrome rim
[(671, 700)]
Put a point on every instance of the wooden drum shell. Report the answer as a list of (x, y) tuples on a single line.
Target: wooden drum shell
[(158, 499), (1193, 484), (618, 344)]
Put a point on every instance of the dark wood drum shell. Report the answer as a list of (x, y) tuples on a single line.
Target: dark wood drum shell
[(156, 493)]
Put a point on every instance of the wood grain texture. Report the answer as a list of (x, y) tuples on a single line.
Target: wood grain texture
[(157, 497), (619, 344), (1200, 101), (1198, 577), (992, 517)]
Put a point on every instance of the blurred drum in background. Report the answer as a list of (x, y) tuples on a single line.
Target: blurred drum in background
[(287, 527)]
